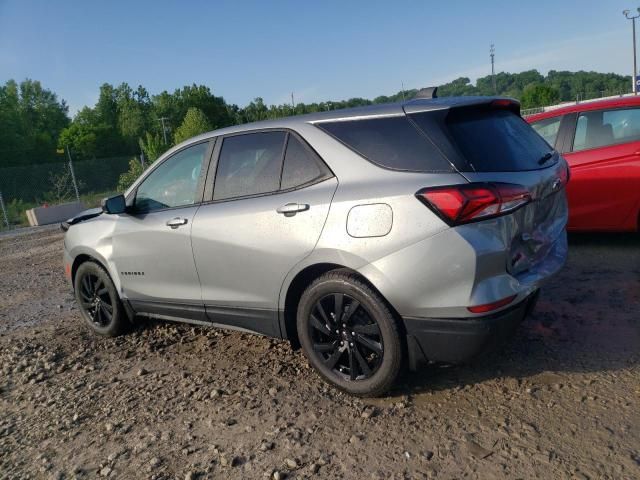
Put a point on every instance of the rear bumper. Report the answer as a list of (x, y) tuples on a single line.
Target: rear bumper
[(458, 340)]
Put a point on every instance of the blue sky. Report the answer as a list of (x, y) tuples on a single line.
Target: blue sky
[(319, 50)]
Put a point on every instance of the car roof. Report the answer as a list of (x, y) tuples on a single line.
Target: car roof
[(378, 110), (617, 102)]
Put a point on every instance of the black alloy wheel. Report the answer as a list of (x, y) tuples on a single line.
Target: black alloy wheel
[(98, 299), (349, 334), (346, 337)]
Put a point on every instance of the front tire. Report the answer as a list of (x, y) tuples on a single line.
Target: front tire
[(349, 334), (98, 300)]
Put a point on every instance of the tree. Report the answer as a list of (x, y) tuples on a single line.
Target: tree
[(195, 122), (536, 95), (153, 146), (32, 118), (131, 175)]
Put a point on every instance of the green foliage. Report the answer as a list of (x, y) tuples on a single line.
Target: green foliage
[(31, 119), (539, 95), (131, 175), (153, 146), (34, 122), (195, 122), (16, 212)]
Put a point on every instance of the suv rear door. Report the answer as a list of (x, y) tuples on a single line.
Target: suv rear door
[(266, 210), (490, 142)]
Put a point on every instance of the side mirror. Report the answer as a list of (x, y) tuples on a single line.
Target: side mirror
[(113, 205)]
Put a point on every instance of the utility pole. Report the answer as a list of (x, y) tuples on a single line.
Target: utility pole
[(492, 54), (73, 175), (293, 104), (164, 129), (402, 83), (629, 16)]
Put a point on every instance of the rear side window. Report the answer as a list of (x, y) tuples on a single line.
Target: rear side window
[(609, 127), (496, 140), (301, 165), (548, 129), (249, 164), (391, 142)]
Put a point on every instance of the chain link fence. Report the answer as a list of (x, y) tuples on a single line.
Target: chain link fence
[(49, 184)]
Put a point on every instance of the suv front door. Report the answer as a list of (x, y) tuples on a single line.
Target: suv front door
[(152, 241), (270, 200)]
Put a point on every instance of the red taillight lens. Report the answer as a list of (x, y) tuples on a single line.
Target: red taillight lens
[(488, 307), (459, 204), (503, 103)]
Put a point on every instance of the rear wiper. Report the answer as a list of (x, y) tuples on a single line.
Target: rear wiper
[(546, 157)]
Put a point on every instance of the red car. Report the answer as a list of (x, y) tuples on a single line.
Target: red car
[(601, 142)]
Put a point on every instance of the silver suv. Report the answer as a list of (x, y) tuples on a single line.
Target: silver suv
[(373, 237)]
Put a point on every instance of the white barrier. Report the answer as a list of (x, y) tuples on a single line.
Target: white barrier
[(54, 214)]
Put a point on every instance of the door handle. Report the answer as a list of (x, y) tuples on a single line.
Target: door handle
[(176, 222), (290, 209)]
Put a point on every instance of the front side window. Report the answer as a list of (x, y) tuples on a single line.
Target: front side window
[(174, 183), (249, 164), (548, 129), (606, 127)]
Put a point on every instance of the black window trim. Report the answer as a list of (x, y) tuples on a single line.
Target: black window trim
[(130, 199), (575, 127), (213, 166)]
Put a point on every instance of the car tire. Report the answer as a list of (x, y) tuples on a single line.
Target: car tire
[(98, 301), (349, 334)]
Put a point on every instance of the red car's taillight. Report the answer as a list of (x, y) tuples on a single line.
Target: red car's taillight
[(458, 204)]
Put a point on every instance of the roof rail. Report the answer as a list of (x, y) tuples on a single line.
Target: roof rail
[(428, 92)]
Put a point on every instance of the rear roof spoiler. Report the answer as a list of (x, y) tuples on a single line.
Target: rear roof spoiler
[(428, 92), (417, 105)]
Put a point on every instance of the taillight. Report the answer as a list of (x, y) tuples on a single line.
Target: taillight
[(458, 204), (488, 307)]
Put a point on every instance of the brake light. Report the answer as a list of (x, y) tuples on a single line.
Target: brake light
[(503, 103), (458, 204), (488, 307)]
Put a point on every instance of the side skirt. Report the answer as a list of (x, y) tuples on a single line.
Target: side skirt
[(250, 320)]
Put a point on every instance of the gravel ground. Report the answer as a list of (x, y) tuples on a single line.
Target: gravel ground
[(174, 401)]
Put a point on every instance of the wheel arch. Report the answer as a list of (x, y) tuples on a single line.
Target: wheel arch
[(87, 256), (299, 284)]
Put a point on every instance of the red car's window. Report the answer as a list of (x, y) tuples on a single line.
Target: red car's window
[(606, 127), (548, 129)]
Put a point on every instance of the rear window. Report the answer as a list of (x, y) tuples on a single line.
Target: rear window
[(391, 142), (495, 140)]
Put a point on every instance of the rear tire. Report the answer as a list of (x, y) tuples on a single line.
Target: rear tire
[(98, 301), (349, 334)]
